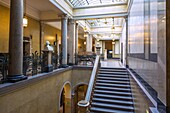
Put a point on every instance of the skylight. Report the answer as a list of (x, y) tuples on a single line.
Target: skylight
[(81, 3), (105, 22)]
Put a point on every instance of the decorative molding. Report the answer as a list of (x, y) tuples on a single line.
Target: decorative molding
[(32, 12), (61, 7)]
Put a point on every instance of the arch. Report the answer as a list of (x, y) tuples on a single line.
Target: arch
[(81, 83), (67, 87)]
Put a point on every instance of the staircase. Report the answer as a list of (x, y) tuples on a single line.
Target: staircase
[(112, 92)]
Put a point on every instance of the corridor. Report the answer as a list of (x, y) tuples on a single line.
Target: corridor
[(111, 63)]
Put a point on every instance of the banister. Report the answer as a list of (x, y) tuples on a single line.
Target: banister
[(86, 102)]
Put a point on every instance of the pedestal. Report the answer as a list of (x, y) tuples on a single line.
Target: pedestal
[(98, 50), (47, 61)]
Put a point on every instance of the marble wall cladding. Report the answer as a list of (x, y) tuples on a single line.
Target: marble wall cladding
[(141, 102), (123, 41), (136, 27), (153, 26), (150, 14), (117, 47)]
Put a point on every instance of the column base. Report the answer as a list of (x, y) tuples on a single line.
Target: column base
[(16, 78), (48, 68), (71, 64), (127, 66), (63, 66)]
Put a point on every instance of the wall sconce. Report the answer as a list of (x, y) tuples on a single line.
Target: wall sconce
[(85, 28), (113, 43), (86, 34), (25, 19), (84, 43), (113, 28)]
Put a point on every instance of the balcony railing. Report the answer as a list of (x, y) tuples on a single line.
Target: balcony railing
[(34, 64), (85, 58), (3, 67)]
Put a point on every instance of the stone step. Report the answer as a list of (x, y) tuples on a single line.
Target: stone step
[(112, 106), (115, 97), (113, 70), (117, 71), (112, 92), (113, 89), (105, 110), (112, 101), (113, 73), (113, 85), (112, 82), (116, 76), (110, 68), (114, 79)]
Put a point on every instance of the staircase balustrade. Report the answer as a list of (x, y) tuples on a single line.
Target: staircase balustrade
[(84, 104)]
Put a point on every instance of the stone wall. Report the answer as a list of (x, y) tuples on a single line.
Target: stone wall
[(41, 93)]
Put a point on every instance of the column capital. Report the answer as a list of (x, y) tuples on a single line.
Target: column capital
[(126, 18), (72, 21), (77, 25), (64, 16)]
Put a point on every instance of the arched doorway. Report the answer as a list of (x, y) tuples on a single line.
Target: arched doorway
[(65, 99), (78, 94)]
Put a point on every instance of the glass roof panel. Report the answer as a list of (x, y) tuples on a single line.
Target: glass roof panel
[(101, 22), (105, 22), (80, 3)]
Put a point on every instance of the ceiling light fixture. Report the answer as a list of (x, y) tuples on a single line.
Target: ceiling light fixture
[(85, 34), (113, 24), (85, 28)]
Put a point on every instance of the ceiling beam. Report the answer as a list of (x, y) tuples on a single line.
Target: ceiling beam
[(87, 2), (102, 5), (115, 15)]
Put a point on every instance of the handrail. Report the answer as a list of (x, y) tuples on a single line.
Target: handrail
[(86, 102)]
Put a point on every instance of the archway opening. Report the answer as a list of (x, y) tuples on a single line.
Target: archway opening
[(79, 94), (65, 99)]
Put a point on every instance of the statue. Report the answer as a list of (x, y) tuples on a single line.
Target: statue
[(48, 47)]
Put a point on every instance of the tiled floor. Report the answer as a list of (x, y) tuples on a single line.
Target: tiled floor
[(115, 63)]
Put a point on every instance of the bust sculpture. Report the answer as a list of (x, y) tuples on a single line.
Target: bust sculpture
[(48, 47)]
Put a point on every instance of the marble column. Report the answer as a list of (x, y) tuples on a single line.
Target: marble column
[(103, 47), (71, 41), (64, 40), (167, 53), (16, 42), (76, 41), (76, 38), (89, 43), (127, 40), (113, 49)]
